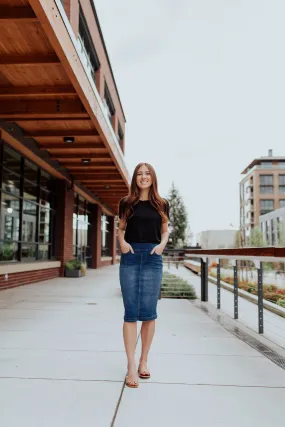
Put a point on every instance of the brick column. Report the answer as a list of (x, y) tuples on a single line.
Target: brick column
[(113, 240), (71, 8), (96, 236), (64, 225)]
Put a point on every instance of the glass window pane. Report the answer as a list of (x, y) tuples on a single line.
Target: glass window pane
[(31, 172), (12, 160), (10, 217), (47, 182), (11, 182), (74, 228), (44, 233), (43, 251), (45, 198), (79, 243), (29, 222), (30, 191), (8, 251), (28, 251)]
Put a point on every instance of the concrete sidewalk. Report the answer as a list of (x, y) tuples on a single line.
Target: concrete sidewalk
[(62, 363)]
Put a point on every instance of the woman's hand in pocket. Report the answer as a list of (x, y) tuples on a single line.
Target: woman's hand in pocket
[(126, 247), (157, 249)]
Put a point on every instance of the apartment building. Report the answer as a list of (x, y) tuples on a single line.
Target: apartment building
[(262, 190), (272, 226), (62, 140)]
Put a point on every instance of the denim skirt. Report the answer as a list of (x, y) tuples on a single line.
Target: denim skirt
[(140, 280)]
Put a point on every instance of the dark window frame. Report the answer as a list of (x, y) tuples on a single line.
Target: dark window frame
[(108, 99), (85, 36), (120, 132)]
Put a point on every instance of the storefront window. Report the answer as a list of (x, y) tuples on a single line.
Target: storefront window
[(27, 209), (106, 237), (81, 229)]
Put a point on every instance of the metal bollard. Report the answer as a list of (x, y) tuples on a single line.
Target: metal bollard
[(218, 284), (204, 279)]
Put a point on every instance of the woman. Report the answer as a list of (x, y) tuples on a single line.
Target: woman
[(143, 235)]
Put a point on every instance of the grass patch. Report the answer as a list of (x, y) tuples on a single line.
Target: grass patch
[(175, 287)]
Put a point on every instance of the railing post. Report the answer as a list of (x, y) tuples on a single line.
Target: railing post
[(234, 263), (218, 283), (204, 279), (258, 265)]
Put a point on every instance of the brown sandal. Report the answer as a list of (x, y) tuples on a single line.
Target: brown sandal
[(132, 384), (144, 374)]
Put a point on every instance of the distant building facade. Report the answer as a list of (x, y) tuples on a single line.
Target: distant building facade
[(262, 190), (216, 239), (270, 223)]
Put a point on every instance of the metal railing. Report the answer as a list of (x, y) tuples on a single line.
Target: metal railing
[(256, 255)]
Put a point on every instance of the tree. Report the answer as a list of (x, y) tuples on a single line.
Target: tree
[(256, 239), (189, 236), (178, 218)]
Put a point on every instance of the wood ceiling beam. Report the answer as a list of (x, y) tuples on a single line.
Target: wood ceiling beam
[(17, 14), (60, 39), (95, 166), (62, 133), (102, 177), (64, 146), (42, 91), (30, 60), (41, 119), (93, 181), (107, 190), (70, 156), (99, 172), (41, 108)]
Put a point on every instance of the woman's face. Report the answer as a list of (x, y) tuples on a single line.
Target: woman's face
[(144, 179)]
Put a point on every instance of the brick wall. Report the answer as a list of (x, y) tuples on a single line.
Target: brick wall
[(64, 225), (26, 277)]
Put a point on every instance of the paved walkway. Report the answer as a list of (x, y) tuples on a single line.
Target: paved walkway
[(62, 363)]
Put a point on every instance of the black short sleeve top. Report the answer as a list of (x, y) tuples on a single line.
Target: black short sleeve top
[(144, 226)]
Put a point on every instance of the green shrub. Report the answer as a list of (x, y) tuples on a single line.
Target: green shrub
[(73, 264), (281, 302)]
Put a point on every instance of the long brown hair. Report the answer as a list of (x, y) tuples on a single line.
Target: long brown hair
[(134, 195)]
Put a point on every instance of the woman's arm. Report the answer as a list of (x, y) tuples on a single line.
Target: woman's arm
[(164, 239), (125, 247), (164, 235)]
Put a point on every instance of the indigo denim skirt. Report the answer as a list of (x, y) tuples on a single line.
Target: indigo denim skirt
[(140, 280)]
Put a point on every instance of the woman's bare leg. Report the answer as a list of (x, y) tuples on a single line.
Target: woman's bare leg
[(147, 333), (130, 340)]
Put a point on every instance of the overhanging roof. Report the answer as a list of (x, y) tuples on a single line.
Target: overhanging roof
[(46, 91), (262, 159)]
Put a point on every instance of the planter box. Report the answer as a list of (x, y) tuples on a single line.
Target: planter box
[(73, 273)]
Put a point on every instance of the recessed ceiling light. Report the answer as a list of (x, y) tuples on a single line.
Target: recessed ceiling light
[(107, 186), (69, 139), (86, 161)]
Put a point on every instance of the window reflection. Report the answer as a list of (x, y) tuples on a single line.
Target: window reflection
[(27, 205)]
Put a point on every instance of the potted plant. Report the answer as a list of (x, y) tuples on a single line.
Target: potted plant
[(74, 268)]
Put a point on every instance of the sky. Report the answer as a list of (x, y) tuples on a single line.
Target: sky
[(202, 84)]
